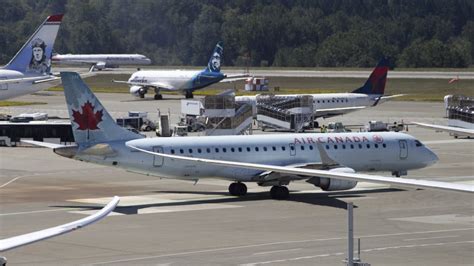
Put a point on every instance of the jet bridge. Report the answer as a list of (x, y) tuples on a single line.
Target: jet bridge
[(290, 113)]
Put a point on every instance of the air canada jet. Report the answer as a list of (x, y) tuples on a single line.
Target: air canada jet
[(180, 80), (30, 69), (101, 61), (332, 104), (26, 239), (329, 161)]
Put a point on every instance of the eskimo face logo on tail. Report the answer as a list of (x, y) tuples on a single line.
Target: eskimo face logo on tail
[(215, 61), (39, 63), (88, 119)]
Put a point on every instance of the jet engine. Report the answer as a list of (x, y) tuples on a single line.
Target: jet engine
[(138, 91), (99, 65), (334, 184)]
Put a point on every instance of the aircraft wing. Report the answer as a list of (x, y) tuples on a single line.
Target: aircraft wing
[(384, 98), (160, 85), (34, 80), (403, 182), (17, 241), (455, 130), (236, 77)]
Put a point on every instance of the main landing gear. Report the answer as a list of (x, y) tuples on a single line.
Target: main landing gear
[(189, 95), (158, 97), (238, 189), (276, 192), (279, 192)]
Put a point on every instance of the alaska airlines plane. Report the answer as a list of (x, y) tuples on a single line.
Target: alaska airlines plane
[(101, 61), (180, 80), (331, 104), (329, 161), (30, 68)]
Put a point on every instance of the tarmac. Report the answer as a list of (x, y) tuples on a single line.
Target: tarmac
[(171, 222)]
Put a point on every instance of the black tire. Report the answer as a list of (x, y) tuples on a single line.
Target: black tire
[(142, 96), (189, 95), (279, 192), (158, 97), (237, 189)]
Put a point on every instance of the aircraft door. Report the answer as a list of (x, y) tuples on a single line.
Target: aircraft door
[(3, 86), (403, 149), (158, 160), (292, 149)]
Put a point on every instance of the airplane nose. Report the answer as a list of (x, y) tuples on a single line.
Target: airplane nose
[(431, 158)]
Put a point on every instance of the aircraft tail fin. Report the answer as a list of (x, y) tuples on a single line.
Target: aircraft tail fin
[(214, 64), (90, 121), (377, 79), (35, 55)]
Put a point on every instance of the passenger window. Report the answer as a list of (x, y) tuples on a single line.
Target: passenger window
[(302, 147), (232, 149), (217, 149), (292, 147), (240, 149), (256, 148), (384, 145), (335, 147), (368, 146), (352, 146), (199, 150), (264, 148), (190, 150), (208, 150), (248, 148), (311, 147), (327, 147), (172, 151), (274, 148), (376, 145), (343, 146), (181, 151), (360, 146), (224, 150), (283, 148)]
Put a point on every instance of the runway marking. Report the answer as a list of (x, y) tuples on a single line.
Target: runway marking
[(364, 250), (276, 251), (276, 243), (428, 238), (438, 219), (39, 211)]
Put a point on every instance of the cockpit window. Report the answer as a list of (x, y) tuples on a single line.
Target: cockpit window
[(418, 143)]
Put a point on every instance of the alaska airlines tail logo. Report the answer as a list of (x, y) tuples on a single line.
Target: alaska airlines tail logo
[(215, 62), (39, 63), (89, 119)]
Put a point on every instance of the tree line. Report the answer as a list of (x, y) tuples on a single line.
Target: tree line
[(280, 33)]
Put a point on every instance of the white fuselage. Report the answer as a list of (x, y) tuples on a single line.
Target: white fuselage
[(174, 79), (386, 151), (106, 59), (15, 89), (340, 103)]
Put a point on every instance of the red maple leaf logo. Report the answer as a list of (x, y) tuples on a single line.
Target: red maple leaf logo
[(88, 119), (377, 138)]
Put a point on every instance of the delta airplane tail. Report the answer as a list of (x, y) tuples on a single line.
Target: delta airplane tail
[(91, 123), (214, 64), (376, 82), (35, 55)]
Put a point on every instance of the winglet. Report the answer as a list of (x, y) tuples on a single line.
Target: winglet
[(21, 240)]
